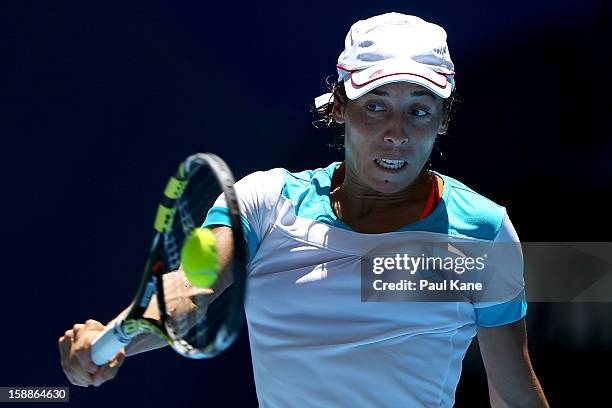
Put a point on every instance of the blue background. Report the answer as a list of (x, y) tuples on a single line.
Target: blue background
[(102, 100)]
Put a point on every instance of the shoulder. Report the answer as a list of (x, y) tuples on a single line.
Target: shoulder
[(469, 212), (307, 177), (263, 176), (304, 178), (271, 185), (260, 183), (298, 184)]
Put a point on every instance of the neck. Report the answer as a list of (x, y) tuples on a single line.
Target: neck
[(369, 211), (347, 189)]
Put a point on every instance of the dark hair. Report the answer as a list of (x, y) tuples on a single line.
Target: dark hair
[(325, 119)]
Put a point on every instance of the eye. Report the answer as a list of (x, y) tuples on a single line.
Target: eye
[(421, 113), (374, 107)]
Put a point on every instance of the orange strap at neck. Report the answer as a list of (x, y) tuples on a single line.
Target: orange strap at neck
[(434, 197)]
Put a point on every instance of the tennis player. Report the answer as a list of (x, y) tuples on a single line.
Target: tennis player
[(314, 343)]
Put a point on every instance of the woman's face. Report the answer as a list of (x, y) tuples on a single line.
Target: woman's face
[(399, 122)]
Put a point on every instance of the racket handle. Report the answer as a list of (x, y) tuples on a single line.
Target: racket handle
[(108, 344)]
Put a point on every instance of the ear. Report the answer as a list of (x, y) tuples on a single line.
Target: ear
[(338, 111)]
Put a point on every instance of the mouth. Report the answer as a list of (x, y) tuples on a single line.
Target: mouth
[(391, 164)]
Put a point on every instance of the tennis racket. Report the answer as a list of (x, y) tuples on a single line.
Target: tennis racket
[(188, 323)]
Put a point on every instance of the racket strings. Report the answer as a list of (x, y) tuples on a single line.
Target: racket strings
[(199, 196), (186, 305)]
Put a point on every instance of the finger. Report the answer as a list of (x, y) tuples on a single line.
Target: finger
[(83, 356), (117, 361), (65, 342), (92, 324), (194, 292), (69, 360), (68, 336), (104, 374), (109, 371), (80, 381), (77, 376)]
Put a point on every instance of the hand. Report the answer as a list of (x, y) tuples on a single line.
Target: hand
[(75, 352), (185, 304)]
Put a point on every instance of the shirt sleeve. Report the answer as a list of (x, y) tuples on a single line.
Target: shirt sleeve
[(258, 194), (514, 309)]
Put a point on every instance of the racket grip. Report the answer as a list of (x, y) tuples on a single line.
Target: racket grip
[(108, 344)]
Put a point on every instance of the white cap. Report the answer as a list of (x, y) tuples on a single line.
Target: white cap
[(394, 47)]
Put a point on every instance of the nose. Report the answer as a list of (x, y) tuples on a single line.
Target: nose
[(396, 139), (396, 133)]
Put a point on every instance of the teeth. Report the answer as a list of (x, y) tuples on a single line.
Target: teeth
[(390, 164)]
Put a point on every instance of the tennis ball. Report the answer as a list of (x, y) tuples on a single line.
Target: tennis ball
[(199, 258)]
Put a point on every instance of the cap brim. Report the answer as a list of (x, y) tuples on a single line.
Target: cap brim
[(361, 82)]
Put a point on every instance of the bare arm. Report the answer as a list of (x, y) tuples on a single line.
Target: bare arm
[(511, 379), (75, 344), (223, 239)]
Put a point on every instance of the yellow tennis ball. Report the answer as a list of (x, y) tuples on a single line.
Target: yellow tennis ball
[(199, 258)]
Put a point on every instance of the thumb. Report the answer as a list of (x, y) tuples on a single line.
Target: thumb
[(117, 361), (83, 351), (109, 370)]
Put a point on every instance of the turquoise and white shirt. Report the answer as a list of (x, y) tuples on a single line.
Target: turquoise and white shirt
[(314, 343)]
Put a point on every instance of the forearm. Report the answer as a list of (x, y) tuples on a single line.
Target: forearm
[(145, 341), (532, 398), (177, 289), (511, 378), (526, 392)]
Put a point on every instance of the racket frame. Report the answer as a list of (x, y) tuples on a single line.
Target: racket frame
[(121, 332)]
